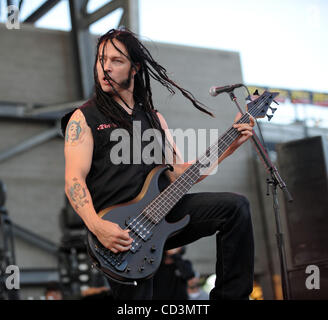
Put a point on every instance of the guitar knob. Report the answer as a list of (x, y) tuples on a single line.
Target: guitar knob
[(153, 248), (151, 260), (128, 269), (141, 268)]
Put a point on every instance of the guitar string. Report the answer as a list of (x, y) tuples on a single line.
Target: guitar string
[(151, 205), (186, 184), (158, 204), (234, 136), (210, 150), (193, 176), (234, 131), (228, 136), (162, 204), (154, 208)]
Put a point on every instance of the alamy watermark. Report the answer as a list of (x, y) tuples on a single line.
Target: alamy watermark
[(313, 280), (12, 276), (147, 146), (13, 17)]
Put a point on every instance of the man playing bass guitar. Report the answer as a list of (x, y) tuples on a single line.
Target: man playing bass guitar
[(94, 180)]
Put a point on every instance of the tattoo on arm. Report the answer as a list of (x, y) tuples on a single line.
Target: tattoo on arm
[(74, 131), (78, 194)]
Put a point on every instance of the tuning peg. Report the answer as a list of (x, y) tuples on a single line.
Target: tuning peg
[(256, 93), (273, 110), (269, 116), (276, 102)]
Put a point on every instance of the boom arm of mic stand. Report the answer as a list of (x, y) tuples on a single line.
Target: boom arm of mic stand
[(264, 156)]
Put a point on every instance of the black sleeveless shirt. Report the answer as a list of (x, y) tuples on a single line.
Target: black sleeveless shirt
[(108, 181)]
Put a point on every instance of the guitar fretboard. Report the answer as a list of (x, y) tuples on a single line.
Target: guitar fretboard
[(165, 201)]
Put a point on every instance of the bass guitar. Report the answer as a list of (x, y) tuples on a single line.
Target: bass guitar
[(145, 214)]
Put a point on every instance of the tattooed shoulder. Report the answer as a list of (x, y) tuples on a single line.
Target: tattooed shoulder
[(75, 129)]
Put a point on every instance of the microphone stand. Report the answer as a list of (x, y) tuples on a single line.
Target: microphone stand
[(275, 181)]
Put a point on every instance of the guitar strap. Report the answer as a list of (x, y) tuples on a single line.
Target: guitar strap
[(159, 123)]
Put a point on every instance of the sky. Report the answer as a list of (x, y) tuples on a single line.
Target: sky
[(282, 43)]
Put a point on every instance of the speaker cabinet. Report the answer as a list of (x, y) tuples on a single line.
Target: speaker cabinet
[(303, 166)]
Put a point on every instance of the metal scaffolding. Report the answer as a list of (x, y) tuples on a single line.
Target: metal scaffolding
[(81, 20), (83, 50)]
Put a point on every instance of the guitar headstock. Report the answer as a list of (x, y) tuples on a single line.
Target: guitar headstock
[(258, 108)]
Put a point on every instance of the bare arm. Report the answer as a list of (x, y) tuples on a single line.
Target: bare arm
[(78, 158)]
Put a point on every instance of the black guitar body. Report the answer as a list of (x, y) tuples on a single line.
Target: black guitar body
[(144, 258)]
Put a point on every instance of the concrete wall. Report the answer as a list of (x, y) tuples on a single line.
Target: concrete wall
[(37, 66)]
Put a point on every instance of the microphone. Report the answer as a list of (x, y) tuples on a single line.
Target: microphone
[(214, 91)]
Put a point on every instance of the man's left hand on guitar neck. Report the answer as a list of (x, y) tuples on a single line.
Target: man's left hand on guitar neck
[(246, 130)]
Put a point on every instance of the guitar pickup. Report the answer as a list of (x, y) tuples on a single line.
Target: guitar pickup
[(140, 228), (136, 244)]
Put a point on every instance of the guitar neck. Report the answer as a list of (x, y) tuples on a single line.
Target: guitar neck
[(166, 200)]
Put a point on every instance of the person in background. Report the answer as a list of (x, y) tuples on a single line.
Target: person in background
[(53, 292), (195, 291), (171, 280)]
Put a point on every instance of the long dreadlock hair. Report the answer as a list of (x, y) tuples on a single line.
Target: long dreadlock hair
[(138, 55)]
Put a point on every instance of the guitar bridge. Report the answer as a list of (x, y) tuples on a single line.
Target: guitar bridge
[(111, 258)]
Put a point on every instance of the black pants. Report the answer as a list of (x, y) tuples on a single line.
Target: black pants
[(227, 215)]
